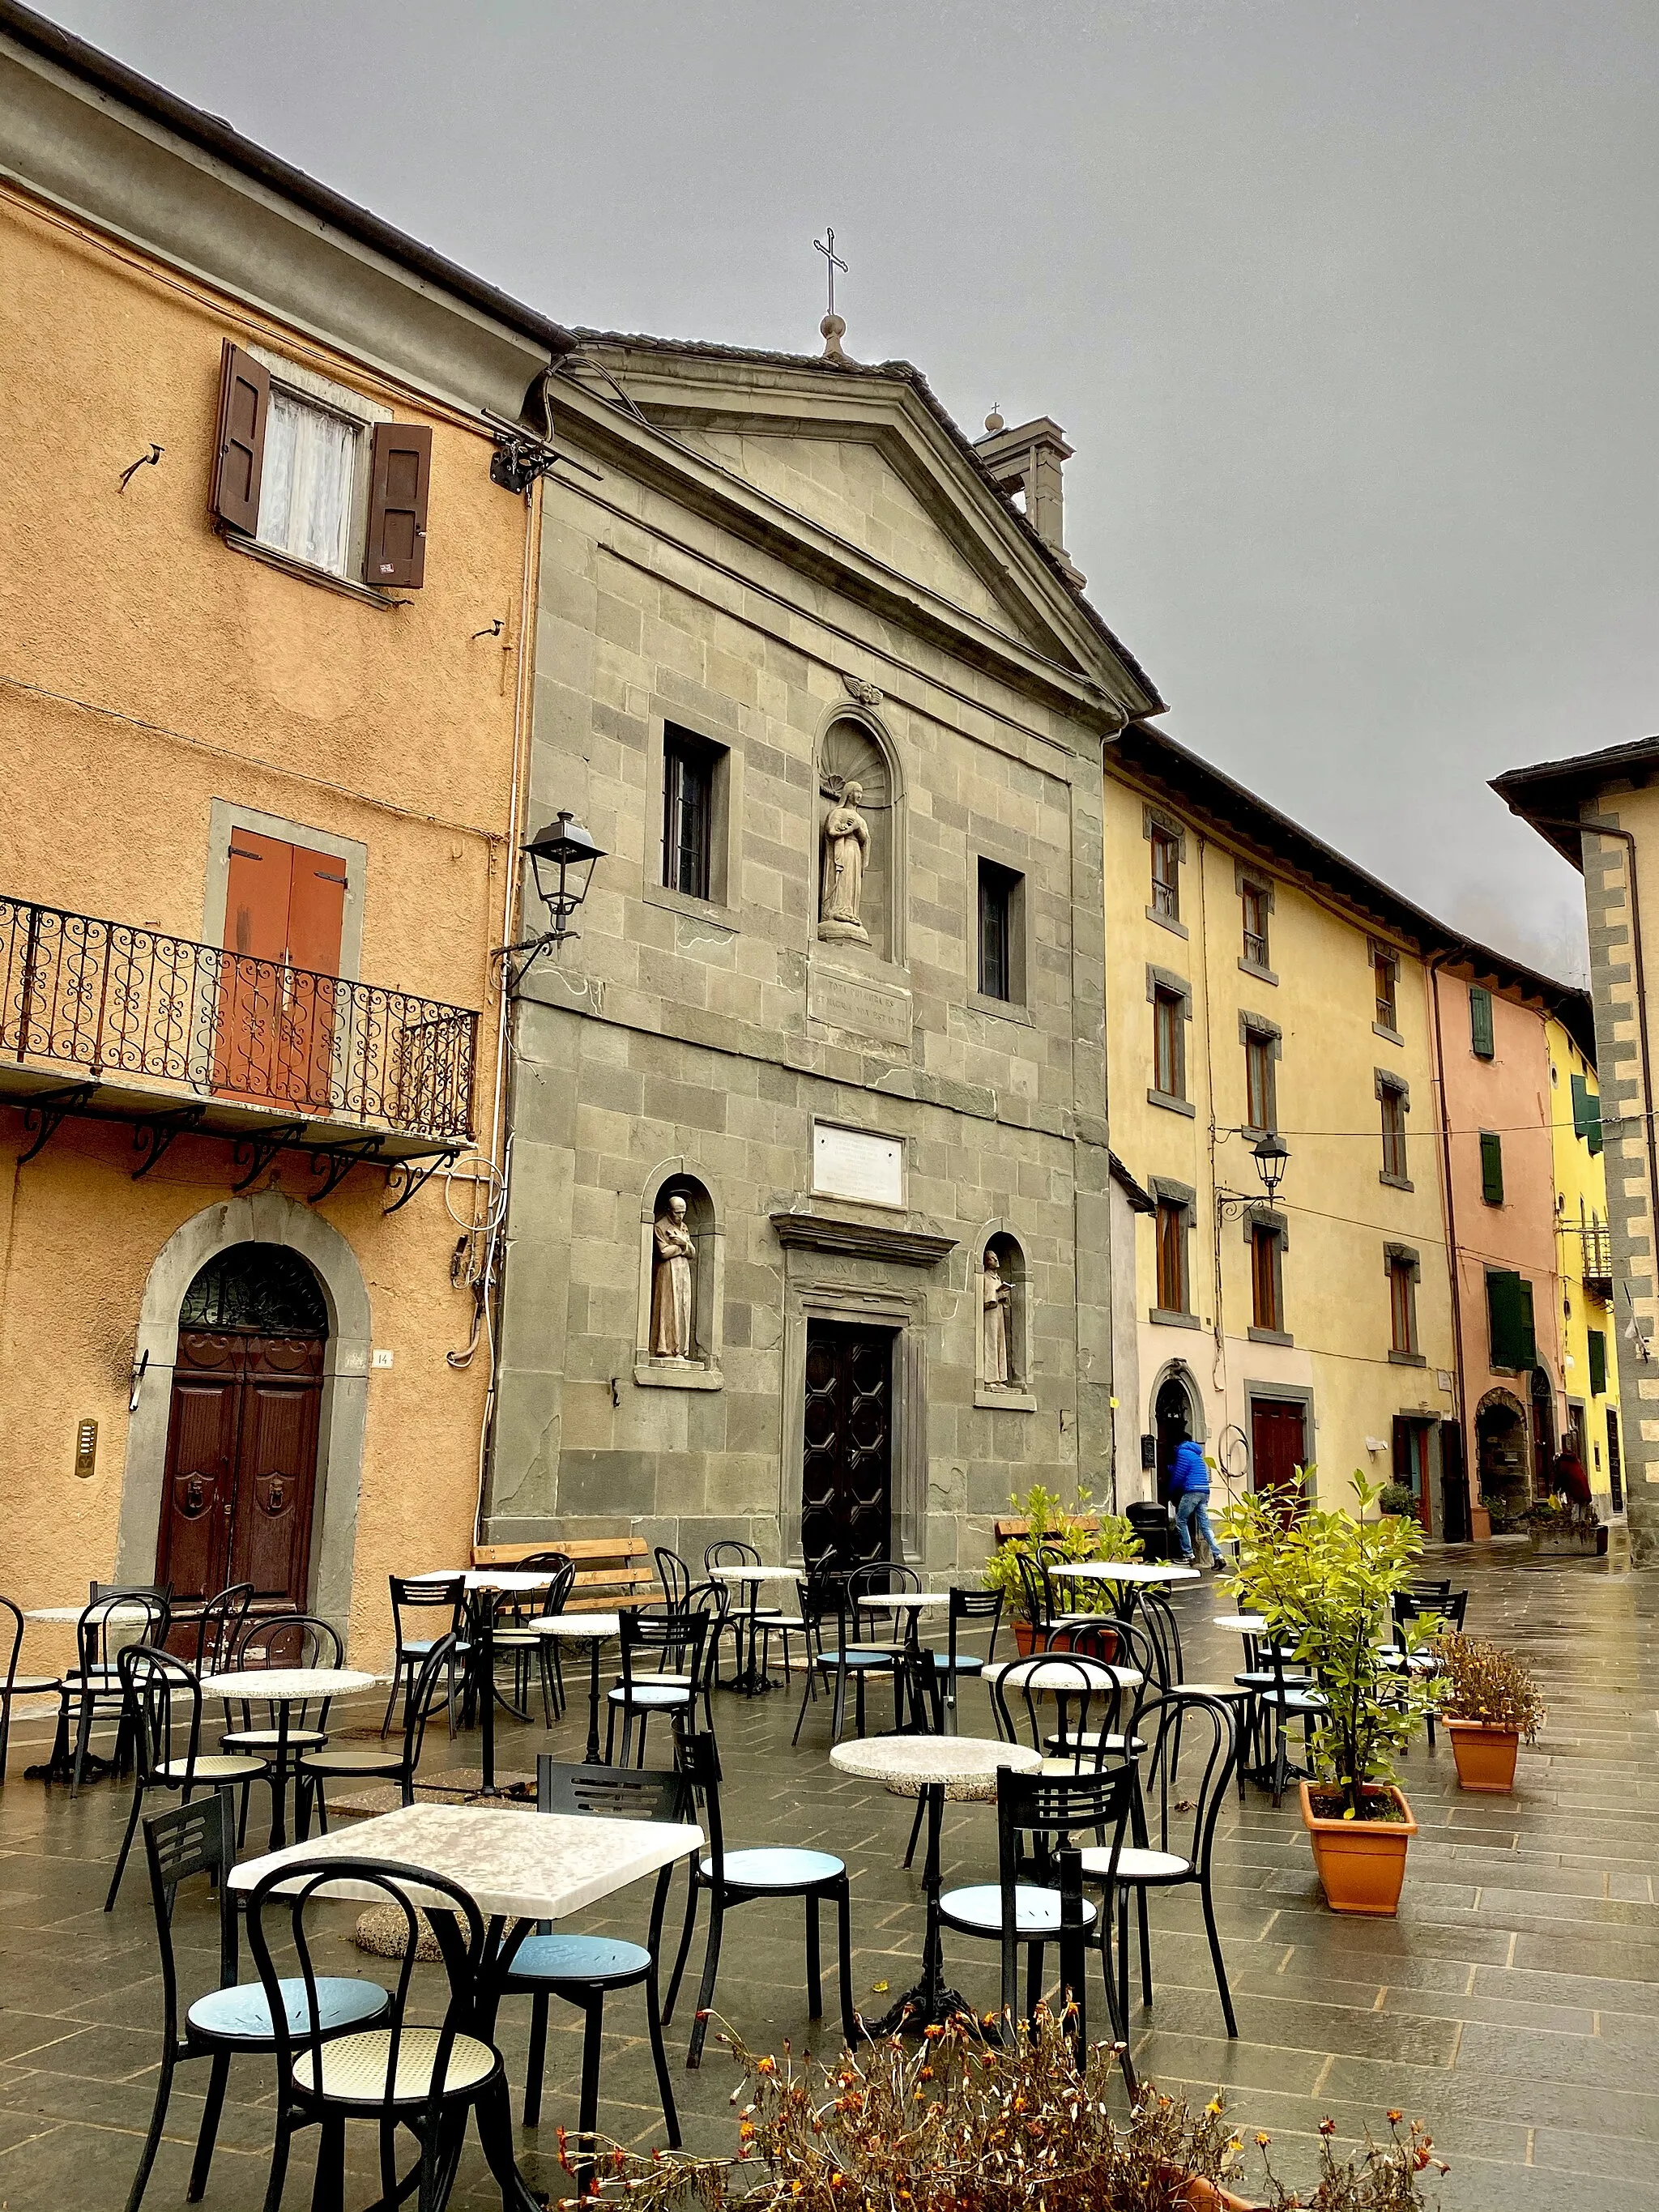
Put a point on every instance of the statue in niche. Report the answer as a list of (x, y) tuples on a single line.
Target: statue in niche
[(672, 1335), (846, 851), (997, 1305)]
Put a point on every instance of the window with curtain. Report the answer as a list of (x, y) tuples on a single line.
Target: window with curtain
[(1172, 1230), (307, 482)]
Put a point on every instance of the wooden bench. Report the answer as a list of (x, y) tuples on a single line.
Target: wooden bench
[(611, 1571), (1005, 1532)]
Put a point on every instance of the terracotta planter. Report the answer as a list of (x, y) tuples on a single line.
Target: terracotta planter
[(1479, 1524), (1485, 1756), (1024, 1638), (1361, 1863), (1201, 2196)]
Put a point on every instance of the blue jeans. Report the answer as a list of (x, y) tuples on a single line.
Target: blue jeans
[(1193, 1508)]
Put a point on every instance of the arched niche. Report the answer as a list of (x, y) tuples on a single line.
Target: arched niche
[(854, 749), (998, 1255), (670, 1180)]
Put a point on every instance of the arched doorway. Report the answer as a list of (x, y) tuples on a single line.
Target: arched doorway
[(1500, 1437), (1173, 1420), (1543, 1433), (239, 1484)]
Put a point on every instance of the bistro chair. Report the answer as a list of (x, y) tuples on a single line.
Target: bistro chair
[(846, 1659), (735, 1878), (675, 1577), (232, 2021), (219, 1626), (954, 1664), (362, 1762), (401, 2072), (1066, 1705), (164, 1705), (111, 1622), (514, 1633), (419, 1611), (1157, 1613), (1195, 1749), (584, 1970), (1282, 1698), (680, 1643), (1038, 1898), (1423, 1602), (762, 1620), (12, 1684), (1037, 1596), (282, 1641)]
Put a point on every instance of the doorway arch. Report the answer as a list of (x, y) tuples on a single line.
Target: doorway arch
[(1502, 1450), (263, 1218), (1177, 1413)]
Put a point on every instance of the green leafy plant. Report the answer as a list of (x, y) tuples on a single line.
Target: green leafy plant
[(1054, 1535), (1396, 1498), (1325, 1582), (956, 2123), (1482, 1682)]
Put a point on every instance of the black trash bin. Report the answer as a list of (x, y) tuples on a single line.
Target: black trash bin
[(1151, 1523)]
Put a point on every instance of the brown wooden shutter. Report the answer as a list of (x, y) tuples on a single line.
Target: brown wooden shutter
[(395, 555), (240, 450)]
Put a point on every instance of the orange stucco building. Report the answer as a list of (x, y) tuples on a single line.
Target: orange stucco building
[(262, 701)]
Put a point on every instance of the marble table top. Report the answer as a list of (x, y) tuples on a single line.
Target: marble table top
[(1246, 1624), (1088, 1673), (913, 1599), (586, 1627), (487, 1578), (285, 1686), (751, 1573), (921, 1760), (69, 1612), (1121, 1571), (524, 1866)]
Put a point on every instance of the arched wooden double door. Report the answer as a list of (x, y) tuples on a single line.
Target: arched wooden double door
[(241, 1465)]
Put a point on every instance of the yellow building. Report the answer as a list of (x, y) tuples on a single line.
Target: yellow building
[(1589, 1351), (262, 694), (1258, 981)]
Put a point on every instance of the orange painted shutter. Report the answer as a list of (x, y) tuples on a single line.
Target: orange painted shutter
[(316, 910), (257, 896), (284, 910), (239, 448), (395, 552)]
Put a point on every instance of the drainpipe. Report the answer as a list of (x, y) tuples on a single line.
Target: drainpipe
[(1432, 966)]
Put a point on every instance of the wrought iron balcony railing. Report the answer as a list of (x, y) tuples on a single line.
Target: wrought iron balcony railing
[(111, 1003)]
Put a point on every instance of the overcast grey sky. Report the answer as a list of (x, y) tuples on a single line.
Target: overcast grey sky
[(1349, 311)]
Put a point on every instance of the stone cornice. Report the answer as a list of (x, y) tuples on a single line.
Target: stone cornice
[(863, 1240)]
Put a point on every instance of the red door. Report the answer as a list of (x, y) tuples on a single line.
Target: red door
[(1279, 1445), (1411, 1465), (241, 1465), (284, 914)]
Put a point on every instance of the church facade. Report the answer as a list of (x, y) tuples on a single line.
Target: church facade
[(808, 1237)]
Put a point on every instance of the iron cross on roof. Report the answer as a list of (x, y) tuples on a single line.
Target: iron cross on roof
[(826, 246)]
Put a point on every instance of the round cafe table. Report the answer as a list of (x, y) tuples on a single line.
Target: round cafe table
[(591, 1629), (932, 1763), (488, 1582), (750, 1679), (282, 1688), (1126, 1576)]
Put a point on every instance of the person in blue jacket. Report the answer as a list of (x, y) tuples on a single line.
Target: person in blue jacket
[(1189, 1493)]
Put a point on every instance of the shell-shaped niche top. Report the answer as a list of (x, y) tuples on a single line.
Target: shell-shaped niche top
[(850, 755)]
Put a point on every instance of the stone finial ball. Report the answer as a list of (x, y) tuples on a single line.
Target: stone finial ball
[(833, 326)]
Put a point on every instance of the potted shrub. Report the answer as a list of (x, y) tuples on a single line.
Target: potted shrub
[(1325, 1582), (956, 2122), (1488, 1702), (1053, 1535), (1555, 1530), (1397, 1497)]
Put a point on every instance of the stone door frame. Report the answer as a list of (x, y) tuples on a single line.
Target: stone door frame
[(875, 1306)]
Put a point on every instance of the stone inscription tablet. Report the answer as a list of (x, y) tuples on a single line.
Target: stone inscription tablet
[(854, 1163), (870, 1010)]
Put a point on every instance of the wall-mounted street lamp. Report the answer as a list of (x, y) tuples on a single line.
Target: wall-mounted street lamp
[(561, 859), (1272, 1155)]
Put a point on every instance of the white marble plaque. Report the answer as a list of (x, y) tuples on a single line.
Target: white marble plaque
[(854, 1163)]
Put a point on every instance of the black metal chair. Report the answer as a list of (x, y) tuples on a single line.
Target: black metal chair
[(363, 1763), (675, 1577), (112, 1620), (284, 1729), (584, 1970), (735, 1878), (220, 1625), (232, 2021), (13, 1685), (1067, 1705), (1018, 1913), (1037, 1597), (402, 2073), (1283, 1697), (164, 1700), (514, 1633), (1195, 1748), (759, 1622), (850, 1659), (1158, 1615), (1423, 1601), (679, 1641), (954, 1664), (410, 1601)]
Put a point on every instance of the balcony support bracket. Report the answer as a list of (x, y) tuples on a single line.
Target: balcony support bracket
[(410, 1174), (159, 1132), (262, 1148), (334, 1163), (44, 1112)]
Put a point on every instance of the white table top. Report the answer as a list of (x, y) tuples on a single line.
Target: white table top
[(525, 1866), (487, 1578), (1122, 1570), (1090, 1673), (285, 1686), (913, 1599), (65, 1612), (588, 1627), (1246, 1624), (754, 1574), (924, 1758)]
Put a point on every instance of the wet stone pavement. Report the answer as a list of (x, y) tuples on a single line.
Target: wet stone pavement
[(1514, 2004)]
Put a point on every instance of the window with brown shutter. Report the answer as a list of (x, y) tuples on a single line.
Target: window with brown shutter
[(394, 556), (1255, 900), (1403, 1305), (1267, 1302), (1168, 1055), (1171, 1256), (1392, 1098), (1261, 1103), (239, 459), (1166, 875), (1385, 969)]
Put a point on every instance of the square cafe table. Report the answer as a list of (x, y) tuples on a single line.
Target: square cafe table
[(518, 1868)]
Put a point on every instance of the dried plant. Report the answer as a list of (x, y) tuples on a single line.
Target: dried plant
[(1483, 1682), (960, 2121)]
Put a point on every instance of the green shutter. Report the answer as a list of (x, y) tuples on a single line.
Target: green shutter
[(1492, 1166), (1598, 1363), (1529, 1344), (1586, 1114), (1508, 1319), (1480, 1043)]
